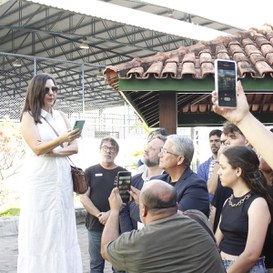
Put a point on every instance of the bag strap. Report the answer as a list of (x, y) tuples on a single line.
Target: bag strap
[(52, 129)]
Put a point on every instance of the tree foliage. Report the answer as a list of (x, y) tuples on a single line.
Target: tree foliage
[(11, 148)]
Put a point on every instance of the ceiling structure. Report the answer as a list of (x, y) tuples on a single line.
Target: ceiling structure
[(46, 38)]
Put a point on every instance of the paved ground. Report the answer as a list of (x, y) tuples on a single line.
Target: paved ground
[(9, 251)]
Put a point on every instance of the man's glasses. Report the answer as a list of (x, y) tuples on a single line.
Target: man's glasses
[(165, 151), (53, 88), (108, 148)]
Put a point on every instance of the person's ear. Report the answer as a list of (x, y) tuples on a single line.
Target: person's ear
[(239, 171), (180, 159), (144, 211)]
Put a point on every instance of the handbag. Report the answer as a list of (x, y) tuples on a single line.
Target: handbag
[(80, 185), (79, 180)]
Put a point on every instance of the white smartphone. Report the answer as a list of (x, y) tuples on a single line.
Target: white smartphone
[(225, 82), (79, 124)]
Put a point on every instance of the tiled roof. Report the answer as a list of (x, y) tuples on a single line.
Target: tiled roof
[(252, 50)]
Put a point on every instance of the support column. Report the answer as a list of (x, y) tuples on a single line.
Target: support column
[(168, 111)]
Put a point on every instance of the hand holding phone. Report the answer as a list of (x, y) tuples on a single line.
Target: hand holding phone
[(79, 124), (124, 185), (225, 83)]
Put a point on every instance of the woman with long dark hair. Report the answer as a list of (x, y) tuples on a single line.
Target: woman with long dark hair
[(47, 241), (246, 214)]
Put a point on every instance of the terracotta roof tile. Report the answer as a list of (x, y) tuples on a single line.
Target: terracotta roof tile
[(170, 70), (252, 50)]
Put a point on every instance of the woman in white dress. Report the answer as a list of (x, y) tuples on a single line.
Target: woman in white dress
[(47, 239)]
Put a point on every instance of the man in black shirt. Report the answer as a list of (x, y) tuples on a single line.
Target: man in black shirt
[(101, 179)]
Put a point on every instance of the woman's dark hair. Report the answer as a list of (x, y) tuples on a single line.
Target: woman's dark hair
[(246, 159), (35, 96)]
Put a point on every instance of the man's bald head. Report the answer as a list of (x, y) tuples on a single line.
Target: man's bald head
[(157, 194)]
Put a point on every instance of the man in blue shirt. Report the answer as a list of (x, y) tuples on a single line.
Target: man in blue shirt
[(205, 169)]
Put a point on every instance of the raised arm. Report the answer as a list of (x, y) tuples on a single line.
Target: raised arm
[(255, 132), (111, 229)]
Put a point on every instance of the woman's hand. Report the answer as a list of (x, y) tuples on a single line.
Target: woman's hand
[(70, 135)]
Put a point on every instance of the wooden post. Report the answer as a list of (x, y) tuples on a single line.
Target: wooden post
[(168, 111)]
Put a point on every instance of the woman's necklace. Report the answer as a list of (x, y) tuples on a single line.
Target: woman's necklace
[(240, 202)]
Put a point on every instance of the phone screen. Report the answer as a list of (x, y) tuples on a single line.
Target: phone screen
[(79, 124), (124, 185), (225, 83)]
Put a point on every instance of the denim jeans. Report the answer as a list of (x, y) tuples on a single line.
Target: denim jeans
[(259, 267), (96, 261)]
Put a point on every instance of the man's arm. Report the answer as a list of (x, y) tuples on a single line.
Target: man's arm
[(88, 204), (111, 229), (212, 216), (213, 179)]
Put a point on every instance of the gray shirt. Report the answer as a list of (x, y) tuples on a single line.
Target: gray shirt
[(176, 244)]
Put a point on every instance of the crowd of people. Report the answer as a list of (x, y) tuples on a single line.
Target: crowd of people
[(216, 220)]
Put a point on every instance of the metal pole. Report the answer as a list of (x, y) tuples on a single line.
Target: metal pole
[(83, 91)]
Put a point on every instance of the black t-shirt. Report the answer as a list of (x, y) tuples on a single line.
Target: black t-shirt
[(101, 183)]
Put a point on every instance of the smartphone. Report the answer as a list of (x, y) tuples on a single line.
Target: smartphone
[(124, 185), (225, 82), (79, 124)]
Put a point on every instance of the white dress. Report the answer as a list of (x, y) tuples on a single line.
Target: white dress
[(47, 239)]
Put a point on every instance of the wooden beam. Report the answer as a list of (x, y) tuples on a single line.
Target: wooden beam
[(168, 111)]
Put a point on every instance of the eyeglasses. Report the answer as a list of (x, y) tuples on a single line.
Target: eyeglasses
[(53, 88), (106, 148), (164, 151)]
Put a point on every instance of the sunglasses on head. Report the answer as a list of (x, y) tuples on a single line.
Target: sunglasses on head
[(53, 88)]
